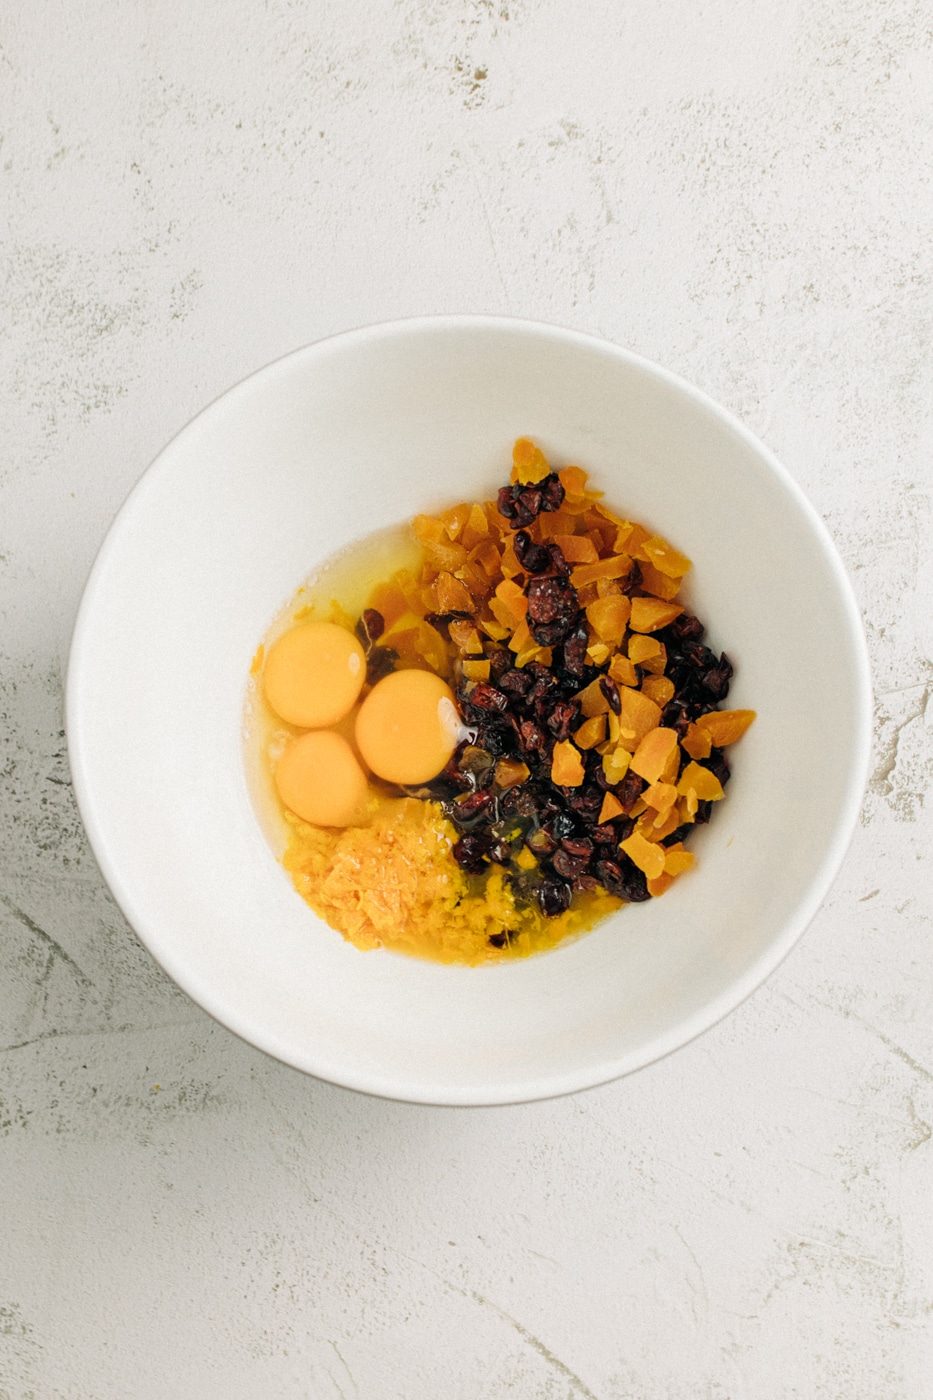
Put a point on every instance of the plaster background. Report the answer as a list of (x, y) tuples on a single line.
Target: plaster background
[(740, 191)]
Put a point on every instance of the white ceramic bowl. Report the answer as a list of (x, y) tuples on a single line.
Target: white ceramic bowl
[(347, 436)]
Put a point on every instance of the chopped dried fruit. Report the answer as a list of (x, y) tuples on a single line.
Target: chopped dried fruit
[(665, 558), (529, 464), (610, 809), (724, 726), (697, 742), (649, 614), (647, 855), (591, 742), (566, 765), (591, 732), (699, 781), (653, 754)]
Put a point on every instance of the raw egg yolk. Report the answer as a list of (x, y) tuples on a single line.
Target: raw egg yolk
[(314, 674), (319, 778), (408, 726)]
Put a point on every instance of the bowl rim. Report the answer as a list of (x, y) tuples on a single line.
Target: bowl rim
[(605, 1071)]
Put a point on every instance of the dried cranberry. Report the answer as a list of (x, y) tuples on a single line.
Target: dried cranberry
[(563, 715), (716, 680), (611, 694), (370, 627), (500, 661), (698, 656), (505, 502), (381, 661), (552, 493), (542, 681), (561, 825), (499, 940), (498, 734), (574, 655), (609, 874), (718, 763), (674, 716), (532, 737), (477, 805), (550, 634), (528, 801), (585, 801), (470, 852), (553, 897), (520, 505), (558, 562), (629, 790), (484, 696), (585, 882), (516, 682), (579, 846), (569, 865), (605, 835), (687, 627), (703, 813), (634, 883), (533, 558), (551, 599)]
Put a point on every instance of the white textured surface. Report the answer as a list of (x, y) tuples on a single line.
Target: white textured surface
[(740, 191)]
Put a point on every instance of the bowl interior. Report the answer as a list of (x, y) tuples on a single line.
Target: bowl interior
[(341, 439)]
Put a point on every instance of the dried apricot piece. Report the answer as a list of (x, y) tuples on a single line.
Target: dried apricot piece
[(677, 860), (455, 519), (697, 742), (647, 855), (509, 593), (611, 808), (608, 617), (665, 558), (616, 566), (573, 480), (529, 464), (648, 614), (576, 549), (653, 754), (701, 782), (591, 732), (428, 529), (623, 671), (566, 765), (664, 824), (660, 689), (476, 527), (660, 796), (638, 717), (642, 648), (616, 765), (656, 583), (452, 595), (725, 726), (464, 635)]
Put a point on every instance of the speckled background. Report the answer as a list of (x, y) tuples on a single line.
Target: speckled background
[(739, 190)]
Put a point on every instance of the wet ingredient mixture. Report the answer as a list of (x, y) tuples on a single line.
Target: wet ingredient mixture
[(513, 738)]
